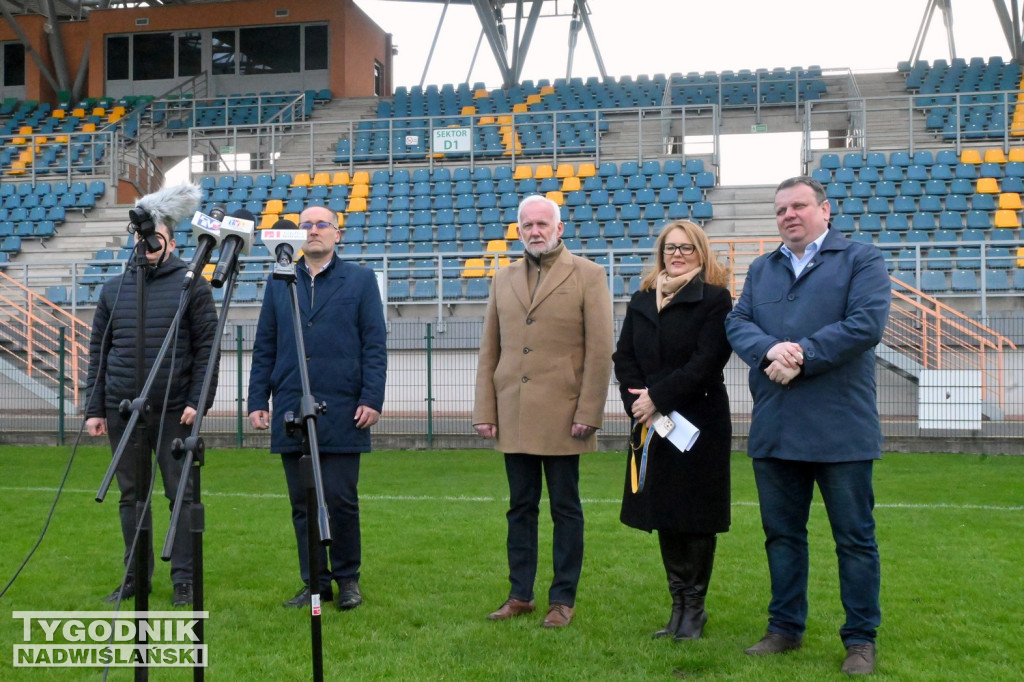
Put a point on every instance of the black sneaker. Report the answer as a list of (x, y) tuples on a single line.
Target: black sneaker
[(126, 591), (301, 598), (349, 595), (182, 594)]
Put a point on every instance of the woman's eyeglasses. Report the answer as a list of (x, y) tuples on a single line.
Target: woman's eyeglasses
[(684, 249)]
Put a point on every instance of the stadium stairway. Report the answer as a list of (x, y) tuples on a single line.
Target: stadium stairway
[(80, 237)]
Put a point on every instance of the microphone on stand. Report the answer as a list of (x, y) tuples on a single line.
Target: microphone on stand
[(207, 231), (236, 231), (284, 240)]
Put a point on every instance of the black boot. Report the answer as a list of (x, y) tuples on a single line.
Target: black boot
[(672, 557), (700, 557)]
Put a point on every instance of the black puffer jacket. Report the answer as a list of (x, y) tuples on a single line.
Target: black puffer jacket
[(112, 344)]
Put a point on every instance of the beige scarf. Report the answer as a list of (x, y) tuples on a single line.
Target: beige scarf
[(666, 287)]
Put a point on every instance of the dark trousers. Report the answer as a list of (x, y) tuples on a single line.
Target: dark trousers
[(524, 484), (340, 474), (131, 488), (784, 489)]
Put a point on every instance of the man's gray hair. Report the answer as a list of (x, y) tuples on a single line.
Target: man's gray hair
[(556, 212)]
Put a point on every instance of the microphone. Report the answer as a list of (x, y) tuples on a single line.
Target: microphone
[(207, 231), (284, 240), (168, 207), (236, 230)]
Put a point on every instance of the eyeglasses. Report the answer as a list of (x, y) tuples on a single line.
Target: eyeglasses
[(321, 225), (684, 249)]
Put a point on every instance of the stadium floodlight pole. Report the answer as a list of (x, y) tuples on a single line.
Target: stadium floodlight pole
[(285, 240)]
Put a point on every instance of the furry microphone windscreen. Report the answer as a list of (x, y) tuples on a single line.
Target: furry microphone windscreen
[(171, 205)]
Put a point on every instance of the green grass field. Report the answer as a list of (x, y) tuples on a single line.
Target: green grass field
[(949, 527)]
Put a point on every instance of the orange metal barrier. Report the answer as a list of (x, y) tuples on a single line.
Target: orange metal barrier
[(30, 330)]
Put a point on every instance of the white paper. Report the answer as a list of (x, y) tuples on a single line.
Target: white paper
[(678, 430)]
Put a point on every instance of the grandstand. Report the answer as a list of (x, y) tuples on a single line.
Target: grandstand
[(924, 161)]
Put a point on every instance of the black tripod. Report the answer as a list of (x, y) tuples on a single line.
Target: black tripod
[(193, 450), (132, 410), (316, 506)]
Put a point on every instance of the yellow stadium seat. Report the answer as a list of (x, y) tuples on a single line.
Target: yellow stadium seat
[(474, 267), (321, 179), (995, 156), (61, 139), (58, 114), (119, 110), (1007, 219), (512, 233), (497, 246), (25, 130), (586, 170), (1010, 201), (1016, 154), (543, 171), (468, 110), (99, 111), (89, 128), (547, 90), (988, 186), (79, 112), (486, 120), (565, 170), (341, 178), (17, 168), (301, 180), (114, 117), (523, 173), (570, 184), (267, 220), (361, 178), (481, 93), (341, 220), (498, 262), (274, 206), (359, 190), (1020, 257), (208, 271), (556, 197), (356, 204), (519, 108), (294, 217), (505, 120), (532, 99), (970, 156)]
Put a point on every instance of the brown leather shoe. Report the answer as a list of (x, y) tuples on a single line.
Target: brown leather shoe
[(860, 659), (773, 643), (512, 608), (559, 615)]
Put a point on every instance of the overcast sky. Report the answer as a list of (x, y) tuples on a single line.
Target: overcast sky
[(665, 36)]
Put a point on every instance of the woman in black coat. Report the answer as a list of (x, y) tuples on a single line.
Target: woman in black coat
[(670, 357)]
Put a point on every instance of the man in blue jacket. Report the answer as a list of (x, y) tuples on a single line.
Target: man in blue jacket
[(807, 323), (345, 342)]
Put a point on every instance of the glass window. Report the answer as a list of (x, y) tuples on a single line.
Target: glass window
[(378, 77), (153, 56), (14, 64), (190, 54), (224, 52), (117, 58), (269, 49), (316, 47)]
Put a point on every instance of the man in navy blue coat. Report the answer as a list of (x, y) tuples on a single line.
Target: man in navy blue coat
[(345, 341), (807, 323)]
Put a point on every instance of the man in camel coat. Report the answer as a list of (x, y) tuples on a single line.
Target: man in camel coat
[(541, 386)]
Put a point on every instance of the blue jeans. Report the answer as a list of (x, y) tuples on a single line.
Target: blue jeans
[(340, 475), (524, 483), (784, 489)]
